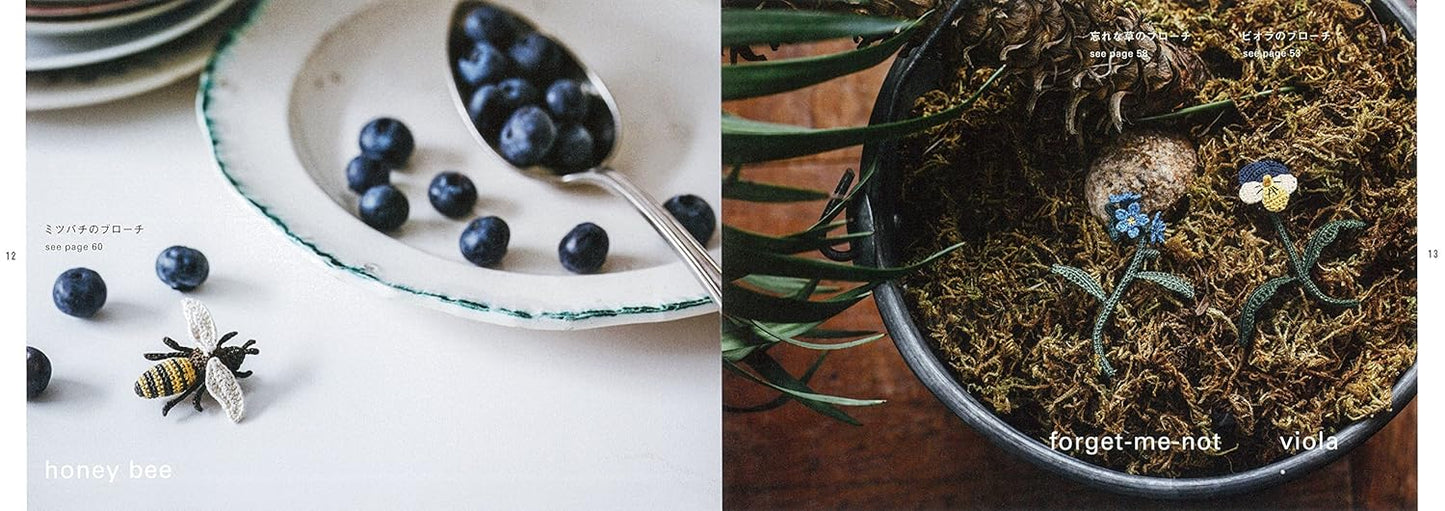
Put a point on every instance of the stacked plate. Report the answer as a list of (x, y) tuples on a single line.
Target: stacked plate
[(83, 52)]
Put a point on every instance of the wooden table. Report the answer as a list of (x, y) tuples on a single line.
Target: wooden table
[(912, 452)]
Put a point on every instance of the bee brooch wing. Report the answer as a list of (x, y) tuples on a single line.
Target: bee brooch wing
[(223, 386), (203, 328)]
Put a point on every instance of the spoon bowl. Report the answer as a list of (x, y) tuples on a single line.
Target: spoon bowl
[(601, 174)]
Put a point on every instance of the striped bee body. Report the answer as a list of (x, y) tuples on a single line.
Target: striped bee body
[(168, 378)]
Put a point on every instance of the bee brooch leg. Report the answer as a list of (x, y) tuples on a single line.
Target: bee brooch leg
[(174, 345), (199, 383), (172, 403)]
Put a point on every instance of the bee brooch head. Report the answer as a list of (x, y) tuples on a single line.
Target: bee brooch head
[(211, 363)]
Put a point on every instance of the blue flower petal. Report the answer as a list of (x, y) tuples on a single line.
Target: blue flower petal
[(1256, 171), (1120, 214)]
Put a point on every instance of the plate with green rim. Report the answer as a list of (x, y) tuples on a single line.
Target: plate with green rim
[(286, 94)]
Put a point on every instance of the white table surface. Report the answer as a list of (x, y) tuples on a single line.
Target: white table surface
[(359, 401)]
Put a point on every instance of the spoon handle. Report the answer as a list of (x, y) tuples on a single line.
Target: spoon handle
[(702, 265)]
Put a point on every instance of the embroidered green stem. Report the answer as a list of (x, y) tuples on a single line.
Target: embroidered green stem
[(1107, 309), (1302, 267)]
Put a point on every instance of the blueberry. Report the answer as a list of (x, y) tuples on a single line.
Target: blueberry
[(527, 137), (388, 140), (79, 292), (364, 172), (384, 208), (584, 249), (573, 149), (537, 56), (484, 242), (491, 24), (518, 92), (37, 372), (602, 127), (489, 110), (486, 64), (695, 214), (567, 101), (182, 268), (452, 194)]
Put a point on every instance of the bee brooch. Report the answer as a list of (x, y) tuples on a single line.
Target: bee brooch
[(183, 371)]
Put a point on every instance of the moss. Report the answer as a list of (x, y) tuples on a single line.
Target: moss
[(1011, 186)]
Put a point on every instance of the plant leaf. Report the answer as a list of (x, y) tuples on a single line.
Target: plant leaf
[(1082, 279), (1173, 283), (1254, 304), (792, 338), (782, 399), (742, 81), (754, 305), (1185, 112), (785, 285), (773, 26), (750, 141), (1324, 236), (771, 374), (753, 191), (735, 238), (765, 263)]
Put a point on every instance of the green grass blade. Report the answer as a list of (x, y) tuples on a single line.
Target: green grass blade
[(785, 285), (753, 191), (772, 26), (766, 263), (790, 333), (742, 81), (744, 302), (736, 239), (750, 141), (1186, 112), (782, 399)]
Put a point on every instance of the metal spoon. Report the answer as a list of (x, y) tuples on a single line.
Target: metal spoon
[(703, 267)]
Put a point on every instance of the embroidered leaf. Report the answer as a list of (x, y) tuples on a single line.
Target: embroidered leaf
[(1082, 279), (1252, 306), (1173, 283), (1324, 236), (1149, 253)]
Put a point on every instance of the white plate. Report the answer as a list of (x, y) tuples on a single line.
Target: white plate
[(85, 25), (129, 76), (284, 100), (46, 53)]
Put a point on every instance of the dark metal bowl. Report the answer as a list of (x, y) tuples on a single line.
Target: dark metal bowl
[(911, 76)]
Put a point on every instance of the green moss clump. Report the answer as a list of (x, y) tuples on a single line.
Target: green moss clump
[(1011, 186)]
